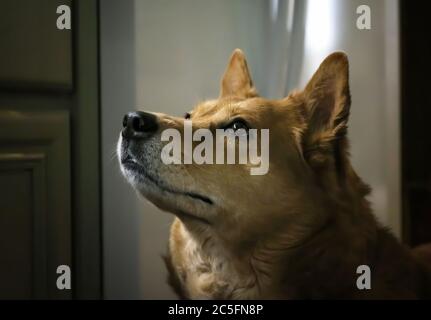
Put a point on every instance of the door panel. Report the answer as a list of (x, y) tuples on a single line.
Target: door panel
[(35, 215), (37, 54), (16, 261)]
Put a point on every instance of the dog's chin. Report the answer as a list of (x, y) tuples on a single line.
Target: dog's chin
[(189, 207)]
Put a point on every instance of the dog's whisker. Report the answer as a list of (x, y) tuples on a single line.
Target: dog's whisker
[(113, 156)]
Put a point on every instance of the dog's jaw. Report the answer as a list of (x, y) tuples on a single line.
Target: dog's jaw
[(186, 205)]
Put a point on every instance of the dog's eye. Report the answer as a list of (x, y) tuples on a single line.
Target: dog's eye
[(187, 115), (238, 126)]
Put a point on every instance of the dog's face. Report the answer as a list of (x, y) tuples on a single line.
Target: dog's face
[(225, 199)]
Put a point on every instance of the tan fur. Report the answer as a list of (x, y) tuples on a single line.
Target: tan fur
[(301, 230)]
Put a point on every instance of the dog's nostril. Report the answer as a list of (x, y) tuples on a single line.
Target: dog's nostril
[(138, 124)]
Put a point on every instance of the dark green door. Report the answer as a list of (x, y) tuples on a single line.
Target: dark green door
[(49, 150)]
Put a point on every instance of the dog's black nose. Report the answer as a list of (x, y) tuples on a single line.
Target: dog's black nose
[(139, 124)]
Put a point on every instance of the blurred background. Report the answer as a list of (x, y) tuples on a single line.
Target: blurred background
[(63, 94)]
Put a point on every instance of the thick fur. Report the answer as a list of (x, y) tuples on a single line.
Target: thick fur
[(298, 232)]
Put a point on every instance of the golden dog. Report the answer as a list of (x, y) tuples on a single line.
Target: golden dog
[(298, 232)]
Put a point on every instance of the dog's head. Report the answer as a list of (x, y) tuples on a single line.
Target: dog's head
[(307, 155)]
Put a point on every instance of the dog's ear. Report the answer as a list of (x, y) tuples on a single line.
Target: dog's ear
[(327, 102), (236, 80)]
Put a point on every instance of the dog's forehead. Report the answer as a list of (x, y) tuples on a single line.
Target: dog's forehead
[(226, 107), (215, 108)]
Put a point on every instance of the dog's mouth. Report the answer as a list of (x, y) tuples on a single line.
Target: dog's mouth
[(130, 164)]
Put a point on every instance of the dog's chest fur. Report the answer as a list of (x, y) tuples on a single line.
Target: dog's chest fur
[(201, 270), (206, 274)]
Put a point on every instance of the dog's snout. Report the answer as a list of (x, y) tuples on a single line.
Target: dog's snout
[(139, 124)]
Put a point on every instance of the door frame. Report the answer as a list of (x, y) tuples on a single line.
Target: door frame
[(86, 162)]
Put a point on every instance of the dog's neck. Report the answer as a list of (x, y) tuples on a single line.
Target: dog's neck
[(269, 267)]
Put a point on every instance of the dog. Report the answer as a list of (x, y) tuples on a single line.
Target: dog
[(300, 231)]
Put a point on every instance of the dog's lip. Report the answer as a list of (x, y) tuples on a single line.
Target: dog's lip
[(185, 215), (130, 163), (127, 158)]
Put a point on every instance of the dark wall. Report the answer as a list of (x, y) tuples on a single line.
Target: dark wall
[(415, 120)]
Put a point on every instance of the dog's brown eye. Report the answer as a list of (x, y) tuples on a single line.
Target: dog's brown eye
[(239, 125), (236, 125), (187, 115)]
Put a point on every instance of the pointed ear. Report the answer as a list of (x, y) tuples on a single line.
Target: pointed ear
[(236, 79), (327, 99)]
